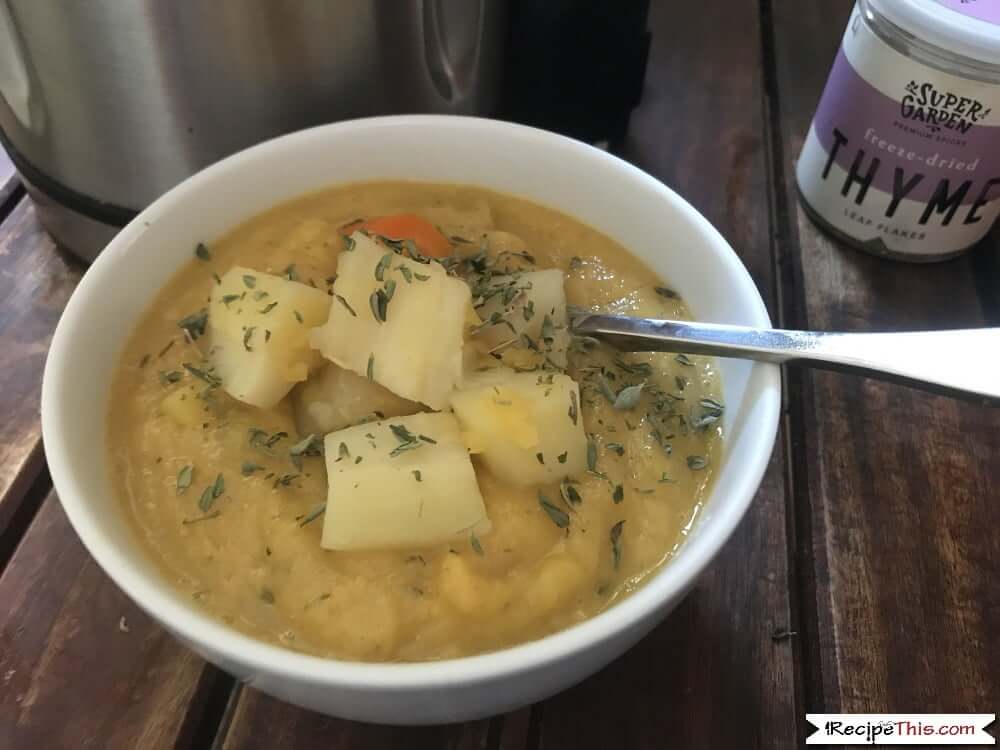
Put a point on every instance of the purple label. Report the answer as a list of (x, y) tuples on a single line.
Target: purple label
[(983, 10), (927, 141)]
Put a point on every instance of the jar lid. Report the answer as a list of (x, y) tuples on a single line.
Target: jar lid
[(970, 28)]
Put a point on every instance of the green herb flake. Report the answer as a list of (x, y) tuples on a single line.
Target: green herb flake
[(591, 454), (247, 334), (477, 547), (616, 543), (346, 305), (696, 463), (207, 499), (144, 361), (382, 266), (214, 381), (268, 307), (249, 281), (343, 451), (664, 479), (416, 475), (259, 295), (617, 448), (618, 494), (421, 277), (684, 360), (556, 514), (249, 467), (228, 299), (170, 377), (184, 477), (378, 303), (218, 279), (313, 514), (267, 335), (370, 372), (349, 243), (206, 517), (201, 252), (666, 293), (311, 445), (541, 458), (574, 407), (628, 397), (569, 493), (561, 458), (218, 487), (298, 316), (285, 480), (406, 273), (194, 324), (290, 273)]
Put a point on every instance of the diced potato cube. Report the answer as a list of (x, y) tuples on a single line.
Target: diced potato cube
[(404, 482), (530, 309), (335, 398), (416, 351), (526, 426), (259, 334)]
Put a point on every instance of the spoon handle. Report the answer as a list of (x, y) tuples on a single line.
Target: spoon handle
[(963, 363)]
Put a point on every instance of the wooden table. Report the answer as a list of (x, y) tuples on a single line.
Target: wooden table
[(864, 577)]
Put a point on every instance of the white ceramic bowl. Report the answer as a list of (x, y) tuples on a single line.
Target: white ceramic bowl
[(607, 193)]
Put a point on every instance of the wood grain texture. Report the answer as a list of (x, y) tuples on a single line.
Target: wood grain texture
[(36, 280), (712, 675), (80, 665), (899, 538), (260, 722)]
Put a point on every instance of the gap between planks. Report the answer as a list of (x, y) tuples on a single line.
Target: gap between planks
[(797, 396)]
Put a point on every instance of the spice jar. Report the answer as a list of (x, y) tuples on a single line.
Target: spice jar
[(903, 156)]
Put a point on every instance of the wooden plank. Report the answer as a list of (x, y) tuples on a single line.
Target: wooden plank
[(898, 507), (80, 665), (35, 283), (713, 674), (261, 723)]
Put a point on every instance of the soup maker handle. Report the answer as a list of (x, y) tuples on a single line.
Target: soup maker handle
[(963, 363)]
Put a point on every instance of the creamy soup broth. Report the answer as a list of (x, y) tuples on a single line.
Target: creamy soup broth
[(254, 559)]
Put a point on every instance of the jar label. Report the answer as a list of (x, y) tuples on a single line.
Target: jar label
[(902, 157), (983, 10)]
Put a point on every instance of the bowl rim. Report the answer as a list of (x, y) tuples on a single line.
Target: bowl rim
[(227, 643)]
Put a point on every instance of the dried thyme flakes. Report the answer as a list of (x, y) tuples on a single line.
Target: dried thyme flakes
[(194, 324), (557, 515), (666, 293), (407, 440), (346, 305), (476, 544), (696, 463), (249, 281), (201, 252), (249, 467), (184, 478), (616, 543), (313, 514)]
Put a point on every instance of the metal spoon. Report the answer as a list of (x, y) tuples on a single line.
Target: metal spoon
[(962, 363)]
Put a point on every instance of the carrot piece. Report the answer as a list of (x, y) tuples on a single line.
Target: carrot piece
[(425, 235)]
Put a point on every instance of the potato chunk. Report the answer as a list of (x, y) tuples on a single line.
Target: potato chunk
[(526, 426), (259, 329), (404, 482), (416, 351), (530, 309), (335, 398)]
